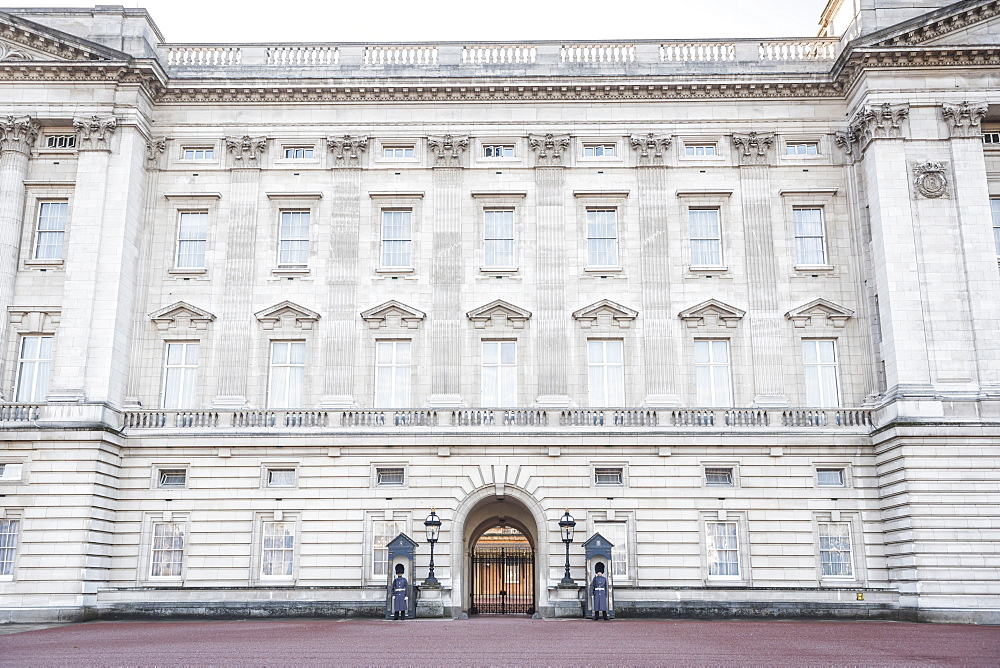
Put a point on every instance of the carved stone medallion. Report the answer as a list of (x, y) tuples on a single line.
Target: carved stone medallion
[(930, 180)]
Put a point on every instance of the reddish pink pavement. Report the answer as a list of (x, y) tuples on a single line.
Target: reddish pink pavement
[(499, 641)]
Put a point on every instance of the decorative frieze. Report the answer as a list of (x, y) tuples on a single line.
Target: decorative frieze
[(754, 147), (883, 121), (447, 150), (549, 149), (246, 150), (93, 133), (965, 119), (930, 180), (18, 133), (347, 150), (650, 147)]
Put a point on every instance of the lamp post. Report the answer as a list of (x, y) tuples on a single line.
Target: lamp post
[(566, 524), (433, 527)]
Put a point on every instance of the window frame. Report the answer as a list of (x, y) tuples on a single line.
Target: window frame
[(379, 467), (292, 214), (597, 468), (512, 266), (796, 143), (407, 239), (995, 216), (153, 550), (40, 204), (709, 541), (716, 402), (719, 239), (487, 147), (407, 375), (845, 475), (35, 362), (827, 579), (293, 148), (402, 144), (714, 467), (160, 471), (192, 401), (372, 550), (704, 146), (178, 241), (799, 251), (295, 548), (194, 149), (9, 517), (287, 404), (606, 365), (267, 468), (593, 217), (629, 560), (500, 367), (599, 148), (835, 365), (67, 138), (9, 479)]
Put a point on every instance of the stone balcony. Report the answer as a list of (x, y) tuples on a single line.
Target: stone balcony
[(464, 420), (479, 59)]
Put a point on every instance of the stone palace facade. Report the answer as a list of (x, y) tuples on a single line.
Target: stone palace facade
[(733, 304)]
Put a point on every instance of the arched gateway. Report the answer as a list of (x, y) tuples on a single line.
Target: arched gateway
[(503, 551)]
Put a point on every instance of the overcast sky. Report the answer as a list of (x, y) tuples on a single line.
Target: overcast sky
[(473, 20)]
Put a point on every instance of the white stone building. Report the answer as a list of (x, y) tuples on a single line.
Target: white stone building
[(733, 304)]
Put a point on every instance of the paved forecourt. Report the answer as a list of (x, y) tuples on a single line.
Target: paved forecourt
[(502, 641)]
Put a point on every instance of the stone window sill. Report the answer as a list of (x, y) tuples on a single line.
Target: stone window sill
[(193, 271), (43, 264), (291, 271), (499, 270), (395, 270)]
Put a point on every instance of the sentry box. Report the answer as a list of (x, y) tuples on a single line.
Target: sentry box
[(597, 549), (401, 550)]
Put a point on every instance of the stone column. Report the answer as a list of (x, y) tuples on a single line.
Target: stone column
[(660, 335), (552, 316), (975, 227), (754, 150), (446, 270), (237, 317), (17, 136), (878, 131), (339, 326)]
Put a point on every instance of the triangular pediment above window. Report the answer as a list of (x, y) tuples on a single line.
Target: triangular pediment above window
[(287, 315), (605, 313), (712, 313), (393, 314), (22, 40), (819, 312), (181, 316), (499, 314), (968, 24)]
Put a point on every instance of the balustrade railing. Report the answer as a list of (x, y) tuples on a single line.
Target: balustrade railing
[(597, 53), (798, 50), (302, 55), (395, 54), (215, 56), (697, 52), (599, 419), (489, 54)]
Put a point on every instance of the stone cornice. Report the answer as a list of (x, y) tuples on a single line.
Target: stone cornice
[(937, 24), (51, 42)]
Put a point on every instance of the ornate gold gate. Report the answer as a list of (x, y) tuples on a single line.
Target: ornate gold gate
[(503, 581)]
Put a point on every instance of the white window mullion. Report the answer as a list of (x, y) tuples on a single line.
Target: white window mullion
[(712, 373), (33, 368), (51, 230), (602, 237), (722, 544), (392, 374), (180, 375), (606, 373), (835, 556), (278, 549), (288, 370), (498, 238), (192, 239), (293, 239), (822, 375), (397, 240), (810, 236), (706, 237), (167, 550), (8, 547), (499, 374)]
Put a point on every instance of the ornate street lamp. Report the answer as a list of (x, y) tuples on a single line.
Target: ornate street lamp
[(433, 527), (566, 524)]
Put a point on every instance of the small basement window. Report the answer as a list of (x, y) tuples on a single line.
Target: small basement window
[(389, 477), (608, 476), (830, 477), (281, 477), (10, 472), (719, 477), (172, 478)]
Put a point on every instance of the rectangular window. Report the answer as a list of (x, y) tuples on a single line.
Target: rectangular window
[(719, 476), (830, 478), (397, 240), (298, 152), (498, 238), (606, 373), (278, 550), (288, 374), (390, 477), (500, 374), (598, 150), (168, 550), (498, 151), (397, 151), (60, 141), (995, 210), (180, 375), (392, 374), (8, 547), (608, 476), (821, 373), (712, 373), (172, 478), (810, 237), (991, 137), (51, 230), (706, 237), (802, 148), (835, 550), (722, 544), (198, 153), (602, 237), (383, 531), (11, 472), (699, 149), (617, 533), (34, 364), (281, 477), (293, 239), (192, 238)]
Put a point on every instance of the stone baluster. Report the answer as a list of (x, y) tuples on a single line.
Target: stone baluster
[(446, 270), (237, 317), (17, 136), (340, 324), (659, 326), (754, 150), (550, 252)]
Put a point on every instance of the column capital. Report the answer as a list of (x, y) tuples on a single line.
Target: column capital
[(650, 147), (246, 151), (347, 150), (447, 150), (18, 133), (965, 119), (549, 149), (154, 149), (754, 148), (880, 121), (93, 133)]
